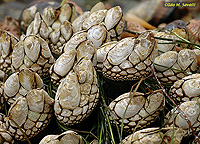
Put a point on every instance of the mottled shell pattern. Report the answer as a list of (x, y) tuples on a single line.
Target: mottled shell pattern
[(162, 48), (156, 136), (75, 49), (54, 26), (31, 113), (112, 19), (77, 94), (7, 42), (191, 110), (78, 22), (32, 52), (5, 135), (142, 110), (20, 83), (186, 89), (172, 66), (130, 59), (67, 137), (1, 96), (101, 53)]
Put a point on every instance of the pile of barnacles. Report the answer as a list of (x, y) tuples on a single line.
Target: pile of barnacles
[(74, 51)]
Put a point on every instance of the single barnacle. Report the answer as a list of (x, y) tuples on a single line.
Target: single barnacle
[(7, 43), (67, 137), (191, 110), (31, 113), (20, 83), (77, 94), (156, 136), (32, 52), (186, 89), (130, 59), (172, 66), (141, 111)]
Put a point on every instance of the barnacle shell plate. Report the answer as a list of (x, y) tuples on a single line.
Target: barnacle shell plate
[(140, 112), (32, 52), (77, 94), (67, 137), (20, 83), (191, 110), (130, 59), (155, 136), (172, 65), (32, 113), (186, 89)]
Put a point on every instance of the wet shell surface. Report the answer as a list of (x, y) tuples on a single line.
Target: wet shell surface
[(172, 66), (5, 135), (32, 52), (156, 136), (186, 89), (54, 26), (77, 94), (141, 111), (7, 42), (20, 83), (31, 113), (191, 110), (130, 59), (67, 137)]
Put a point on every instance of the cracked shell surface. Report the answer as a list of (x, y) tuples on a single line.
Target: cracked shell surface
[(67, 137), (20, 83), (172, 66), (191, 110), (155, 136), (130, 59), (7, 42), (32, 52), (54, 26), (186, 89), (141, 111), (77, 94), (32, 113)]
